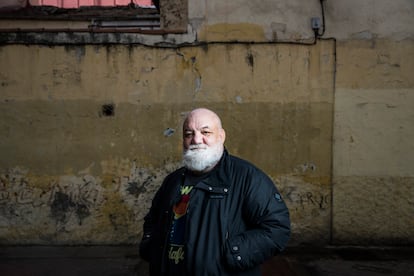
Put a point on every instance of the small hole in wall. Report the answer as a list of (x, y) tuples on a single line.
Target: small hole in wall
[(108, 110)]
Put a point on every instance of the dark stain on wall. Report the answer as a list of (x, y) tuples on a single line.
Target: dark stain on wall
[(82, 212), (250, 59), (135, 189), (62, 207), (78, 50), (107, 110)]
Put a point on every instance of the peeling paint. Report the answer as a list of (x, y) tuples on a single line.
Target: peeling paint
[(168, 132)]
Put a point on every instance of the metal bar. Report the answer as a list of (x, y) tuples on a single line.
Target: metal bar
[(123, 24), (93, 30)]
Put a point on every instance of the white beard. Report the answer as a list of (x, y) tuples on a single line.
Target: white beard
[(200, 158)]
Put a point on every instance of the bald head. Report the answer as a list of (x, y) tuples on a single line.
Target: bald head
[(205, 114)]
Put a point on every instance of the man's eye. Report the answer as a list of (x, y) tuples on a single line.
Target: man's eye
[(188, 134), (206, 133)]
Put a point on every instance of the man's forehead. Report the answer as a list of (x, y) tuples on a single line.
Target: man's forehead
[(200, 122), (202, 118), (190, 127)]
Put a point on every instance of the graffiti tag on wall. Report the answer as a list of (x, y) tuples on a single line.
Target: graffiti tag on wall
[(67, 197)]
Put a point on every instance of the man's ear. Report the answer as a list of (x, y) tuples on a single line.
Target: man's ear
[(223, 135)]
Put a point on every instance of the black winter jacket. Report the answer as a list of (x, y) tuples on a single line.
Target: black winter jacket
[(236, 220)]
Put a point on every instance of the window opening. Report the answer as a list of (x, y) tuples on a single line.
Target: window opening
[(54, 24), (74, 4), (117, 15)]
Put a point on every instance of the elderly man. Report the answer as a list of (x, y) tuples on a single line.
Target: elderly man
[(218, 215)]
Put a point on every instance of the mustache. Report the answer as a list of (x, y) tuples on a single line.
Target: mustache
[(197, 146)]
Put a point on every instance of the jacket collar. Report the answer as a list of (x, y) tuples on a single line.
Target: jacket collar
[(219, 176)]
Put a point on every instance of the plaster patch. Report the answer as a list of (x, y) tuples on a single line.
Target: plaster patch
[(197, 84), (232, 32), (364, 35), (276, 30)]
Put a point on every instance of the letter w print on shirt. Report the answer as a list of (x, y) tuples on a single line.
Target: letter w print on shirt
[(181, 208)]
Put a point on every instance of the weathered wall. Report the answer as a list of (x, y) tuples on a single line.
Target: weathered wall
[(374, 149), (89, 131), (72, 173), (373, 154)]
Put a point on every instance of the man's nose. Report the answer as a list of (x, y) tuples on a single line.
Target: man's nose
[(197, 138)]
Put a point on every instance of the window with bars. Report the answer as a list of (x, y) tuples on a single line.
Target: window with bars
[(71, 4), (100, 15), (74, 4)]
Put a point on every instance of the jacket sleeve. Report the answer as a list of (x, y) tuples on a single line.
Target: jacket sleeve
[(150, 226), (268, 225), (157, 218), (145, 245)]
